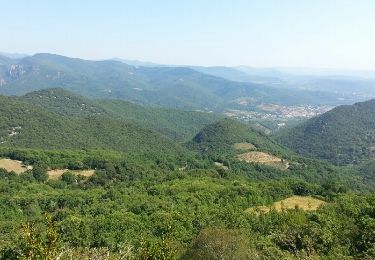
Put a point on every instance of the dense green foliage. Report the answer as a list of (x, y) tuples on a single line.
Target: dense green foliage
[(158, 211), (344, 135), (367, 171)]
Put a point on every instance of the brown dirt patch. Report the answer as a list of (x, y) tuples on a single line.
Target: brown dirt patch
[(13, 165), (263, 158)]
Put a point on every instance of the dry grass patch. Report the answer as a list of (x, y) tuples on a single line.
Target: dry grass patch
[(18, 167), (56, 174), (13, 165), (244, 146), (258, 157), (304, 203), (263, 158)]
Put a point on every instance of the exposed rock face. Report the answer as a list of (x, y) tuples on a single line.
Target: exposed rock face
[(2, 82), (16, 71)]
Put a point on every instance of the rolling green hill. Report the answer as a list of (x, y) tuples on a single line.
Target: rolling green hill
[(219, 138), (30, 126), (239, 150), (344, 135)]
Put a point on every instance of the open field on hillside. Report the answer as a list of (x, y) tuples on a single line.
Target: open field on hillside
[(13, 165), (263, 158), (304, 203), (55, 174), (18, 167), (243, 146)]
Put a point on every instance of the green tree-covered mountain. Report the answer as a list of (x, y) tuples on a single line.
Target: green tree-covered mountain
[(178, 125), (175, 87), (344, 135), (31, 126)]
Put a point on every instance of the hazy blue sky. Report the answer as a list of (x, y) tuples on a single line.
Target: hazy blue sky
[(293, 33)]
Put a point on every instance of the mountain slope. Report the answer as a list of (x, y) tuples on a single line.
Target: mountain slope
[(178, 125), (64, 102), (343, 135), (30, 126)]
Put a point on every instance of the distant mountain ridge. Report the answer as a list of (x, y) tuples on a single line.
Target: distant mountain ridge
[(174, 87), (138, 63), (13, 55)]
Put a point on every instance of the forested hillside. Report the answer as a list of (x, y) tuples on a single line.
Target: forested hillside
[(64, 102), (220, 137), (344, 135), (178, 125), (206, 191), (25, 125), (134, 210)]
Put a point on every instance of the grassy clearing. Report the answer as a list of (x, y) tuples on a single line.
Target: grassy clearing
[(244, 146), (304, 203), (263, 158), (13, 165), (56, 174)]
